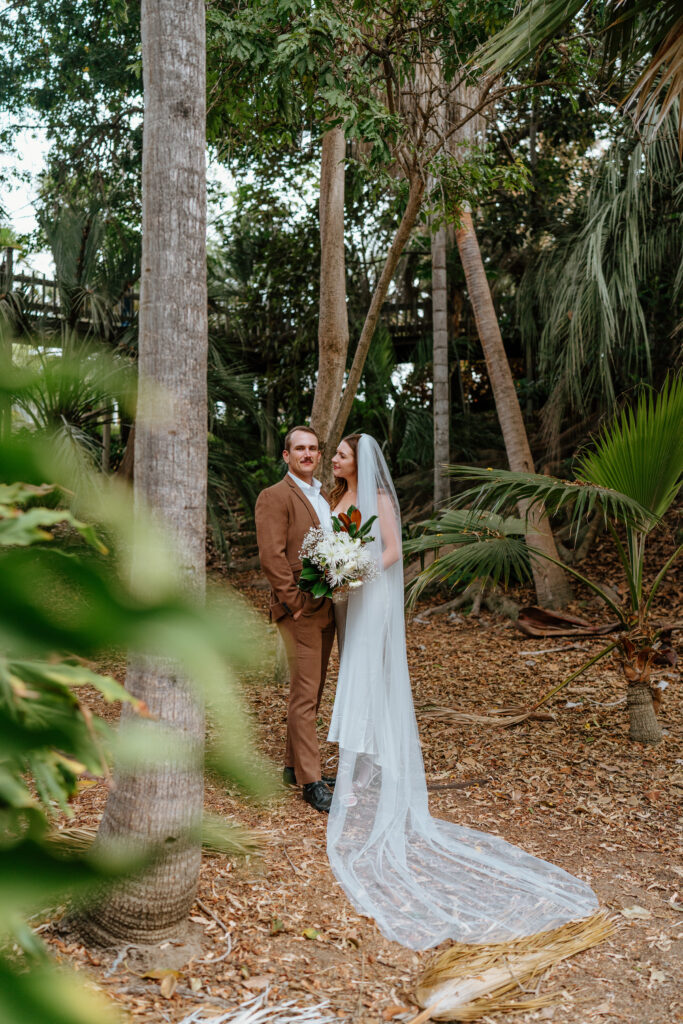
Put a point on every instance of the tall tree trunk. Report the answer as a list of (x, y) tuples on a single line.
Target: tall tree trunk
[(417, 188), (163, 802), (552, 585), (440, 394), (6, 348), (272, 437), (333, 324)]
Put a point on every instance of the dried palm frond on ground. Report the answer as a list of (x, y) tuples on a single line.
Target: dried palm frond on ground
[(496, 716), (468, 981), (256, 1011), (229, 839)]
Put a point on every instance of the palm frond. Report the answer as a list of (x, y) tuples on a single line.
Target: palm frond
[(633, 31), (468, 982), (582, 302), (462, 526), (660, 86), (641, 453), (501, 490), (417, 444), (536, 22), (484, 555)]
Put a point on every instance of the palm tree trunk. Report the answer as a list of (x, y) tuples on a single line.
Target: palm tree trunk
[(162, 803), (406, 225), (552, 585), (440, 395), (333, 324), (643, 724), (637, 663)]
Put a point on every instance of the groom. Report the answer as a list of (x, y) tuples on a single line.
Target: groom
[(284, 514)]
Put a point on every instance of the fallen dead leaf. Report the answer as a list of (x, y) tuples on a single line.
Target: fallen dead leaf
[(656, 977), (258, 983), (389, 1012), (635, 913), (168, 985), (604, 1009)]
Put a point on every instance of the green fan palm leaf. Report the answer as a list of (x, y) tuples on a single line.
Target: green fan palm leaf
[(485, 546), (500, 490), (492, 560), (641, 454)]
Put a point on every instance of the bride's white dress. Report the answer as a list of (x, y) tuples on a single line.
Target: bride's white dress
[(423, 880)]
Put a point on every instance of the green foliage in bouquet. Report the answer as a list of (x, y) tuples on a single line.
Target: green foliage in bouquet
[(313, 580)]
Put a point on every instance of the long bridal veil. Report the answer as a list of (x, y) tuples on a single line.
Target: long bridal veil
[(422, 879)]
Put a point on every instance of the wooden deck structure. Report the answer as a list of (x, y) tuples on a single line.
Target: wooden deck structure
[(41, 302), (408, 322)]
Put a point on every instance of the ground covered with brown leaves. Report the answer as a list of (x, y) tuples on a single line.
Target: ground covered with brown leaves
[(573, 790)]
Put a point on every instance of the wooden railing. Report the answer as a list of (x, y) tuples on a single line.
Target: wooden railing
[(41, 300), (408, 322)]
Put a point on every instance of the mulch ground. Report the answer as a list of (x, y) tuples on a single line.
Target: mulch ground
[(573, 790)]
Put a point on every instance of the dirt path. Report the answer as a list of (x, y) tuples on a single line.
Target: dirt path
[(573, 790)]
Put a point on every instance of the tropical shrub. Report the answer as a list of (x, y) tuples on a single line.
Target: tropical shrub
[(632, 474)]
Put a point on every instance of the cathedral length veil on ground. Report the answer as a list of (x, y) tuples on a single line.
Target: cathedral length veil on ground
[(422, 879)]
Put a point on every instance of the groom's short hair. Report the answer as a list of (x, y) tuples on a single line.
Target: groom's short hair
[(288, 436)]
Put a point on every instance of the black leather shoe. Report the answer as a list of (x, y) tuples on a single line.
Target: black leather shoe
[(318, 796), (289, 778)]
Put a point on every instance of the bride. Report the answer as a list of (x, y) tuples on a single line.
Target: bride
[(422, 879)]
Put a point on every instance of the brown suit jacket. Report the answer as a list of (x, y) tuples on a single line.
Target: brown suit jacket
[(283, 518)]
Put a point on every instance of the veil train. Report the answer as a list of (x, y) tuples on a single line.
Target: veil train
[(423, 880)]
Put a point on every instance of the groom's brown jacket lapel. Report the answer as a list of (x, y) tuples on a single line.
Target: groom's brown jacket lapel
[(283, 518)]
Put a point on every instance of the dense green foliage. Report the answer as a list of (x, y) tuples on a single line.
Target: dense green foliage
[(569, 205)]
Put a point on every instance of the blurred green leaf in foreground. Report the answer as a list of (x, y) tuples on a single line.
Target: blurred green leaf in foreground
[(82, 578)]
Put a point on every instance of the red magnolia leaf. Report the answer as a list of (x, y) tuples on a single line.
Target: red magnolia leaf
[(344, 520), (356, 517)]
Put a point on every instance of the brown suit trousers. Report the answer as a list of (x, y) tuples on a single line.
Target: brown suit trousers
[(283, 517)]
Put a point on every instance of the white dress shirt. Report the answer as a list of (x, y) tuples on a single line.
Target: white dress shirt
[(319, 503)]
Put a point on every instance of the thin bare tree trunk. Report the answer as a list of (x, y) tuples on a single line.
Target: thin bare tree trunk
[(333, 325), (126, 469), (106, 443), (417, 187), (161, 803), (440, 394), (7, 286), (552, 586)]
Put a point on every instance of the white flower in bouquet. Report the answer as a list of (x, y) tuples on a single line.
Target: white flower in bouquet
[(333, 562)]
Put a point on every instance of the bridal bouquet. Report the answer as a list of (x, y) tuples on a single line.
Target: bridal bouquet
[(334, 562)]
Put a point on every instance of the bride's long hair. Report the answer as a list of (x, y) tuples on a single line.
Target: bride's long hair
[(341, 486)]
